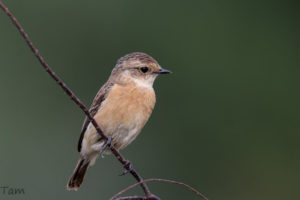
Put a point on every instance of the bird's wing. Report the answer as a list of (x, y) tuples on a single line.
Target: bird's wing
[(99, 98)]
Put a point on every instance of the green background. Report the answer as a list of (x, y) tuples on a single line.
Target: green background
[(226, 121)]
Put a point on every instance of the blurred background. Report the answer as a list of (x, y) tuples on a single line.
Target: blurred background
[(226, 121)]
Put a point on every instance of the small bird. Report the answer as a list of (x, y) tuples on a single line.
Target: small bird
[(121, 108)]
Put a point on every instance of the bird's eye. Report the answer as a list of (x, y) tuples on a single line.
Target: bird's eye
[(144, 69)]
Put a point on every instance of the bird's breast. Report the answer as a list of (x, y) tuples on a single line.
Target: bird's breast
[(124, 112)]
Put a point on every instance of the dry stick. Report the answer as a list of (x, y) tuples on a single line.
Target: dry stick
[(125, 163), (133, 198), (155, 179)]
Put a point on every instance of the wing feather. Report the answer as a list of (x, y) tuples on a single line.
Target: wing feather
[(99, 98)]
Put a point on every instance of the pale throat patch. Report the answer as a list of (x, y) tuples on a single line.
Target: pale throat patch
[(147, 83)]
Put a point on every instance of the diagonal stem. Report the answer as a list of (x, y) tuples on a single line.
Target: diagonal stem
[(69, 92)]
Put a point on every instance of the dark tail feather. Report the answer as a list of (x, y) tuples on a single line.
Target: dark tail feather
[(78, 174)]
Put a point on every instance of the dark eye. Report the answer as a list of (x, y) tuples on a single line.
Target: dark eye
[(144, 69)]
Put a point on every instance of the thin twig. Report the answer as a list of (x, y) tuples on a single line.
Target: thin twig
[(59, 81), (115, 197), (134, 198), (138, 198)]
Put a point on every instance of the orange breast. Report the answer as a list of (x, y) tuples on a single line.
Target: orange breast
[(124, 113)]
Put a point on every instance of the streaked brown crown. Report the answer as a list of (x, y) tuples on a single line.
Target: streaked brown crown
[(138, 56), (135, 66)]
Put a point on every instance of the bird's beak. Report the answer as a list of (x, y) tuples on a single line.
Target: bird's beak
[(163, 71)]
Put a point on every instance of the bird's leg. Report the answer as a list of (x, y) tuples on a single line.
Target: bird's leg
[(106, 144), (127, 168)]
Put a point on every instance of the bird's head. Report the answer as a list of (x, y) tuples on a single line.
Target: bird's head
[(139, 68)]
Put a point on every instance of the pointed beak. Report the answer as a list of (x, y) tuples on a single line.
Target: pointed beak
[(163, 71)]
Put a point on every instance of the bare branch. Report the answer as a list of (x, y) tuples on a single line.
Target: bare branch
[(159, 180), (117, 154), (134, 198), (126, 164)]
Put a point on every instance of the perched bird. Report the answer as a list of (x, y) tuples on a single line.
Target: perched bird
[(121, 108)]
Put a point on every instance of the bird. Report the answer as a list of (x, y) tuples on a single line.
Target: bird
[(121, 108)]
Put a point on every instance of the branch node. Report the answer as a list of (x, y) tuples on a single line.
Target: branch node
[(128, 168)]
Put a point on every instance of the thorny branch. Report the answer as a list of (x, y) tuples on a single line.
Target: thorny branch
[(126, 164)]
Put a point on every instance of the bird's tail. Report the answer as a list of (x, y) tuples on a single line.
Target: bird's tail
[(78, 174)]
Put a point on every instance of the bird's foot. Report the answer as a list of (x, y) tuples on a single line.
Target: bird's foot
[(107, 143)]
